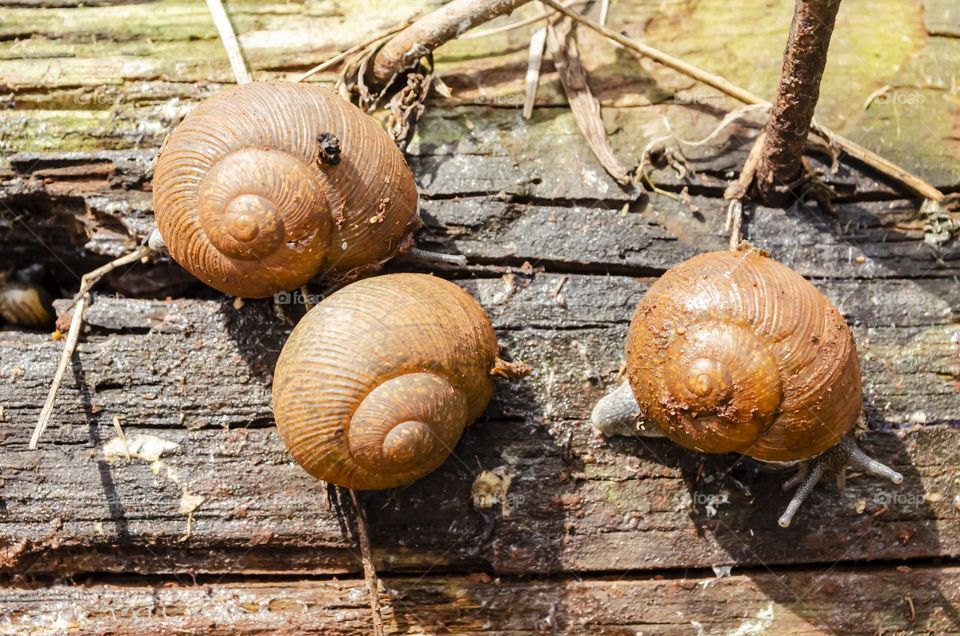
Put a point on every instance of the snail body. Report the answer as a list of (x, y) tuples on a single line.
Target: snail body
[(25, 304), (265, 185), (734, 352), (376, 383)]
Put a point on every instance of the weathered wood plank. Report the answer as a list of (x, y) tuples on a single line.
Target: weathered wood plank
[(96, 77), (210, 490), (80, 216), (841, 601), (579, 503)]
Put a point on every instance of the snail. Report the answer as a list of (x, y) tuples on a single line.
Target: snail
[(266, 184), (377, 382), (24, 303), (734, 352)]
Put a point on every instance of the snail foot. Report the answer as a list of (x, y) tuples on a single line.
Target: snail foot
[(833, 461)]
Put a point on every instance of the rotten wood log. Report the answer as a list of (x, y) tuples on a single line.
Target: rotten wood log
[(87, 93), (858, 602), (208, 493), (804, 60)]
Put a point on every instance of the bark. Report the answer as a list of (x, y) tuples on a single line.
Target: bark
[(781, 162)]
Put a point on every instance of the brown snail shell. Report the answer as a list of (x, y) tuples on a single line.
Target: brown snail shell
[(733, 352), (376, 383), (266, 184), (25, 304)]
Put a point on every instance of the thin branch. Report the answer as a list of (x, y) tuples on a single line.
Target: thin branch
[(516, 25), (73, 335), (336, 59), (369, 571), (737, 190), (430, 31), (798, 90), (875, 161), (229, 38), (604, 11)]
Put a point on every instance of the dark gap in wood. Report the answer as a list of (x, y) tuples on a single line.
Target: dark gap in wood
[(694, 575)]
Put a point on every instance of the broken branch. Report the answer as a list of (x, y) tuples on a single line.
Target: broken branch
[(73, 335), (798, 90), (426, 34)]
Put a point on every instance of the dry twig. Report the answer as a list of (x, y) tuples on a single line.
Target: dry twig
[(543, 15), (875, 161), (535, 60), (73, 335), (369, 571), (426, 34), (737, 190), (339, 57), (230, 43)]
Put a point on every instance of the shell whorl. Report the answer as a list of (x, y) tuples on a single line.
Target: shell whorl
[(25, 305), (376, 384), (244, 201), (734, 352)]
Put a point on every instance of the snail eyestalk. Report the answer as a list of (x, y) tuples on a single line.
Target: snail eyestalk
[(427, 256), (833, 461)]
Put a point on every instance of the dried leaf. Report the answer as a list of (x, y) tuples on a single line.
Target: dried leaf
[(537, 43), (585, 107)]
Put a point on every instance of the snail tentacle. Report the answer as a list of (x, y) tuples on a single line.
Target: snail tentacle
[(861, 460), (816, 472), (834, 461)]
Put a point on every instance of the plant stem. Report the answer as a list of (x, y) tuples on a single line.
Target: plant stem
[(781, 162)]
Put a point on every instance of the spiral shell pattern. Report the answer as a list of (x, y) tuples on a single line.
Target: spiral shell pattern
[(245, 203), (25, 305), (733, 352), (376, 383)]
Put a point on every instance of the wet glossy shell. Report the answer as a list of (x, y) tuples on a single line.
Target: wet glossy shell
[(734, 352), (376, 384), (244, 202), (25, 305)]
